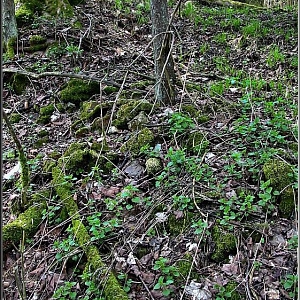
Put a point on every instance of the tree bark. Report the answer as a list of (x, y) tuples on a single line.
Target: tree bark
[(9, 23), (163, 61)]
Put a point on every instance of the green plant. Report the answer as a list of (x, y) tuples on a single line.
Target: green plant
[(275, 56), (66, 292), (127, 282), (290, 284), (169, 272), (266, 195), (92, 292), (66, 246), (221, 38), (182, 202), (252, 29), (180, 123), (204, 48), (199, 226), (293, 242), (189, 10)]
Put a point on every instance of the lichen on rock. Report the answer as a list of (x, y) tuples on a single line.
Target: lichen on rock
[(153, 165)]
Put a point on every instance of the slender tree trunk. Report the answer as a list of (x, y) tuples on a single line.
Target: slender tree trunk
[(164, 66), (9, 26)]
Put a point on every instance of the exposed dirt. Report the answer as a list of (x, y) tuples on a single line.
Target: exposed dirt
[(117, 48)]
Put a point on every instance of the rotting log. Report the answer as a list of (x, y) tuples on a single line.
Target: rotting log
[(111, 288)]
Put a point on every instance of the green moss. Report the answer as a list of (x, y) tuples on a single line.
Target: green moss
[(78, 158), (92, 109), (10, 47), (138, 122), (190, 110), (137, 141), (37, 40), (191, 87), (112, 289), (26, 222), (48, 165), (141, 84), (78, 91), (177, 226), (153, 165), (60, 107), (14, 118), (100, 124), (279, 173), (196, 143), (45, 114), (24, 16), (225, 243), (110, 89), (19, 83), (129, 110), (184, 265), (82, 131)]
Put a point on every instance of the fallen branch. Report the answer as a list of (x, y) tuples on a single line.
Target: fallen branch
[(111, 287), (59, 74)]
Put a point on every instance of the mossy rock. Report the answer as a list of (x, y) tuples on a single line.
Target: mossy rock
[(137, 141), (37, 40), (26, 222), (279, 173), (78, 91), (19, 83), (190, 110), (100, 124), (45, 114), (225, 244), (138, 122), (24, 16), (141, 84), (79, 158), (83, 131), (110, 89), (130, 110), (14, 118), (153, 165), (196, 143), (92, 109)]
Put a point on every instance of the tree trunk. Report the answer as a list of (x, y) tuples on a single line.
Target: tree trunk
[(9, 25), (163, 61)]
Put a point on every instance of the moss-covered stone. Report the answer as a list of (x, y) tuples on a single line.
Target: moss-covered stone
[(19, 83), (45, 114), (80, 158), (14, 118), (100, 124), (83, 131), (279, 173), (78, 91), (196, 143), (225, 244), (9, 47), (92, 109), (37, 40), (129, 110), (137, 141), (138, 122), (26, 222), (24, 16), (153, 165)]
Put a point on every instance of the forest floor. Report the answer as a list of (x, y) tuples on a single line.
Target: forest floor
[(208, 224)]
